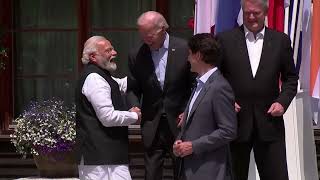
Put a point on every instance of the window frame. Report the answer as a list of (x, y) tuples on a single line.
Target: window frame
[(7, 77)]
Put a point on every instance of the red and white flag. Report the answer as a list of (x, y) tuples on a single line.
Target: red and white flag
[(205, 16)]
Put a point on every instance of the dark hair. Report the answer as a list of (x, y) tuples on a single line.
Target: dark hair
[(207, 45)]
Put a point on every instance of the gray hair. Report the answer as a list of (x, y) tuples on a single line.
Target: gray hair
[(153, 16), (90, 47), (265, 3)]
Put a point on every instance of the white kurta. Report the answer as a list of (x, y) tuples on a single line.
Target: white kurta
[(98, 92)]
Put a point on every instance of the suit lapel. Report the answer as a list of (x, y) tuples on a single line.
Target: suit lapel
[(200, 97), (186, 111), (266, 51), (243, 50), (170, 63), (149, 64), (198, 100)]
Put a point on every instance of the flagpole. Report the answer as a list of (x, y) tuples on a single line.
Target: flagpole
[(195, 16), (286, 20), (293, 21), (298, 30)]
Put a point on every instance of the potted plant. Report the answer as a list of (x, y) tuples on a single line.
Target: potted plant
[(46, 129)]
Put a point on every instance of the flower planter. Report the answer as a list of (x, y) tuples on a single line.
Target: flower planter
[(57, 165)]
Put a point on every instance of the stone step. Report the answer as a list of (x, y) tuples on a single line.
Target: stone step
[(18, 172), (14, 162), (13, 166)]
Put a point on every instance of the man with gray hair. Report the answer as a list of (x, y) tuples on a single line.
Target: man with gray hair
[(102, 121), (254, 58), (162, 79)]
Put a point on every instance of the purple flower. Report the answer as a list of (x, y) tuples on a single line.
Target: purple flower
[(45, 127)]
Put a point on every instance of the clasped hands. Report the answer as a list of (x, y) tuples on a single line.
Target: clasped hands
[(138, 111)]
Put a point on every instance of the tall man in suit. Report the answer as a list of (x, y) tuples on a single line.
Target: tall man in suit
[(254, 59), (210, 120), (161, 77)]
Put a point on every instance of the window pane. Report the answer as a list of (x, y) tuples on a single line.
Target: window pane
[(46, 13), (180, 12), (185, 11), (118, 13), (46, 52), (42, 88), (185, 34), (122, 42)]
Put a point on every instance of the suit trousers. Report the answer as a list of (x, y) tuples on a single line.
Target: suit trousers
[(180, 169), (270, 158), (161, 146)]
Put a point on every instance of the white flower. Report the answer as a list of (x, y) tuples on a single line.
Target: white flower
[(43, 127)]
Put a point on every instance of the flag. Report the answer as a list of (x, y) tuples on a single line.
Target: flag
[(205, 16), (286, 3), (216, 15), (297, 40), (228, 12), (315, 51), (276, 15), (304, 70), (286, 16)]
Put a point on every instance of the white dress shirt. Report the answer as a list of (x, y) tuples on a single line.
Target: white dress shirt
[(201, 81), (98, 92), (254, 46), (159, 58)]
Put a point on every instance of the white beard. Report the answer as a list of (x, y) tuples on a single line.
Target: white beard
[(110, 66)]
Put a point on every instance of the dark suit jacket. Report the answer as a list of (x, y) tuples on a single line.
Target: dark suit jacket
[(155, 101), (211, 125), (256, 94)]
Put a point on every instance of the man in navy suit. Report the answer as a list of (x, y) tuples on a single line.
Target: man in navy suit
[(209, 120), (254, 59), (162, 81)]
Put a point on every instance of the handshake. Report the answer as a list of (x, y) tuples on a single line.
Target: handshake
[(138, 111)]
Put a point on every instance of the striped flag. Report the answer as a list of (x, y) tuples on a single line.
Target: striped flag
[(315, 51), (205, 16), (227, 17), (216, 15), (221, 15)]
